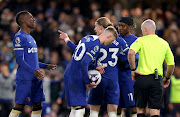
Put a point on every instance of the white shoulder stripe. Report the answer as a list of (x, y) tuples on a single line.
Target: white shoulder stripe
[(18, 48), (125, 49), (89, 55)]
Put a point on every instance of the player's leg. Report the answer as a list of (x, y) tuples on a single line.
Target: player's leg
[(94, 110), (96, 98), (119, 110), (77, 111), (38, 97), (17, 110), (22, 97), (127, 92), (37, 109), (112, 110), (112, 96), (141, 112), (134, 111), (76, 94)]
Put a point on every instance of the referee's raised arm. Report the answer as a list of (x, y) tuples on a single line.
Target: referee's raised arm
[(149, 85)]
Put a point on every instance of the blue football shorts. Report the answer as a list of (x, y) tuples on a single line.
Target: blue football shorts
[(75, 90), (126, 84), (29, 92), (107, 92)]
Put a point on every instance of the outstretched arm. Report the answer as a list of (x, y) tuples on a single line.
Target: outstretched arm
[(65, 37)]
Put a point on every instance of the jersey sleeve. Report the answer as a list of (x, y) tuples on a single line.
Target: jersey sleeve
[(124, 46), (42, 65), (169, 56), (19, 44), (71, 45), (136, 46), (87, 60)]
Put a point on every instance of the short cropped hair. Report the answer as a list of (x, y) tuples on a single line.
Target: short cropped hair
[(113, 31), (104, 21), (19, 15)]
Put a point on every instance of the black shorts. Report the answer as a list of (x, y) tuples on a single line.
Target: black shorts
[(148, 91)]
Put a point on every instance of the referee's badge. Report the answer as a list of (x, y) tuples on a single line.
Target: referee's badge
[(17, 41)]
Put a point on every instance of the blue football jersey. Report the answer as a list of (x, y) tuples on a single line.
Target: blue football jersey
[(109, 55), (123, 57), (88, 45), (25, 50)]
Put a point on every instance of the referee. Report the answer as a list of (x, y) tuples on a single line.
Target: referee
[(148, 87)]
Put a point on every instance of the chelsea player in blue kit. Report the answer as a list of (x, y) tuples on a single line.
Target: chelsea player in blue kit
[(126, 84), (76, 75), (29, 89), (108, 90)]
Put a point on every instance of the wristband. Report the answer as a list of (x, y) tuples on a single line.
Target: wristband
[(133, 69), (66, 39)]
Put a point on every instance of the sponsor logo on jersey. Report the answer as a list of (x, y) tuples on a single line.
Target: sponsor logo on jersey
[(32, 50), (17, 41), (115, 43)]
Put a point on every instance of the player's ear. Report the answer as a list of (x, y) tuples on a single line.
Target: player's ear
[(102, 28)]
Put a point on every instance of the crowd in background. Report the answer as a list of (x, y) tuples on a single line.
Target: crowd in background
[(77, 18)]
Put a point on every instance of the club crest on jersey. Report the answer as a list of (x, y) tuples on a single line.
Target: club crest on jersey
[(17, 41), (96, 48), (32, 50), (88, 39)]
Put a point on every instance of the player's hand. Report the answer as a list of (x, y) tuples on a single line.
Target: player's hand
[(166, 82), (101, 69), (39, 74), (134, 74), (62, 35), (51, 67), (92, 85)]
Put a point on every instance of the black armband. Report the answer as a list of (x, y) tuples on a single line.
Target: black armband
[(133, 69)]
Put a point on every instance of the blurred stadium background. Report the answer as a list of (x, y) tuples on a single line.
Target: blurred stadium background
[(77, 17)]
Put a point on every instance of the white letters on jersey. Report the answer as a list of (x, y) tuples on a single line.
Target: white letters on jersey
[(32, 50)]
